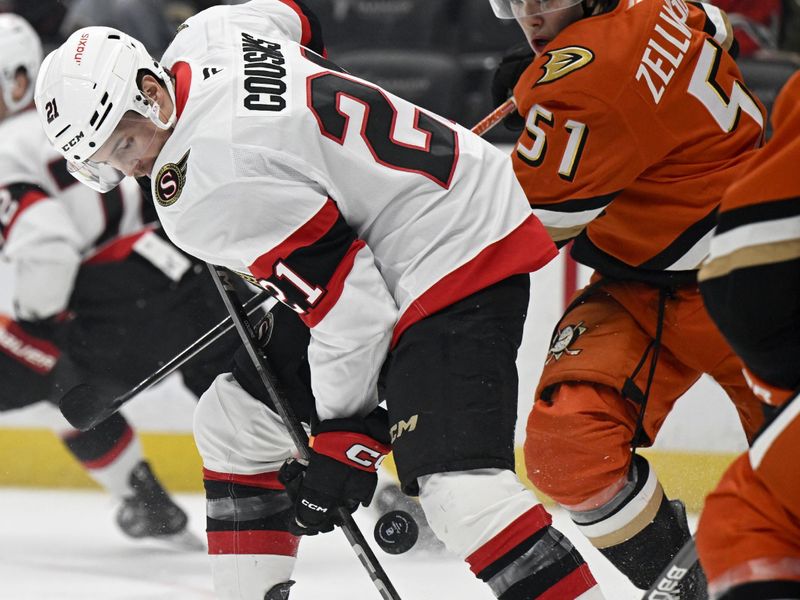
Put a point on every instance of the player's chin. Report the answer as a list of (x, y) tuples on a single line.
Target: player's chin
[(538, 45), (143, 168)]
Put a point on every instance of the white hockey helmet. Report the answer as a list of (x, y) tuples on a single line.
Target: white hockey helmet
[(517, 9), (84, 89), (20, 47)]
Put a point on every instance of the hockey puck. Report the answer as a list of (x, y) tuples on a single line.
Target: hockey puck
[(396, 532)]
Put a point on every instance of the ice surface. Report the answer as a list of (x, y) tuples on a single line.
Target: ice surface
[(63, 545)]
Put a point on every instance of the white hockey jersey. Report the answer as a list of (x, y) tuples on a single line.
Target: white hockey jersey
[(359, 210), (49, 222)]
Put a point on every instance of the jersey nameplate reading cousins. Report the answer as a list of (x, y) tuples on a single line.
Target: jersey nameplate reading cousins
[(264, 77)]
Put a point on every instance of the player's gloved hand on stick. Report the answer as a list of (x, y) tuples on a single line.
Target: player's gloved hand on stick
[(512, 65), (342, 470)]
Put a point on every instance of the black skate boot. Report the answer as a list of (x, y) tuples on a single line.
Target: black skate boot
[(151, 513), (280, 591), (643, 556)]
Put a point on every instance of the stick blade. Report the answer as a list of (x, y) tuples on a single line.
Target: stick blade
[(83, 407)]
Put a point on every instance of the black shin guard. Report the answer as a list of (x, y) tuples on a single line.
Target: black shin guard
[(639, 530), (644, 556)]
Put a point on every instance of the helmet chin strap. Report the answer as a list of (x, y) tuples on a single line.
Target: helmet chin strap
[(154, 114)]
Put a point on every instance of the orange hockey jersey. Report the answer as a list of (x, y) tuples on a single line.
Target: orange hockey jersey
[(751, 281), (635, 119)]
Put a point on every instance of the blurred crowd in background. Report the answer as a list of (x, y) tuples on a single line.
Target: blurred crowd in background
[(440, 54)]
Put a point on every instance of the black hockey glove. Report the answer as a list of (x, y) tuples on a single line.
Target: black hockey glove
[(342, 471), (511, 67), (47, 329)]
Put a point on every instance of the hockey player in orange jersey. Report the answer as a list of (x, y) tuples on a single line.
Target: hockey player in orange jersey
[(635, 116), (751, 285)]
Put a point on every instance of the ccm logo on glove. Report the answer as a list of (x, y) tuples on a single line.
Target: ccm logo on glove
[(354, 449), (366, 457), (313, 506)]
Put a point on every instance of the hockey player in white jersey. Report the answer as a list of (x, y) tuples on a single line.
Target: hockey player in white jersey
[(78, 281), (401, 240)]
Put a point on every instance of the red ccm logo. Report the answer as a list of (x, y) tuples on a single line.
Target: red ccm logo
[(81, 48)]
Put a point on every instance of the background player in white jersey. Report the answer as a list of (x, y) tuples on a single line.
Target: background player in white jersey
[(91, 283), (401, 240)]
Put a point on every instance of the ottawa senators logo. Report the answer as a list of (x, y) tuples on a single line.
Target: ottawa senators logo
[(170, 181), (563, 62), (563, 340)]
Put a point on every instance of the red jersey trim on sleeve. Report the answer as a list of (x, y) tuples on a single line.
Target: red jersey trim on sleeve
[(335, 286), (306, 36), (313, 230), (311, 36), (525, 250), (28, 199), (117, 250)]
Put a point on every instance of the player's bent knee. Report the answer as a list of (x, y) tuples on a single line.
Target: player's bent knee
[(467, 508), (570, 453), (235, 433)]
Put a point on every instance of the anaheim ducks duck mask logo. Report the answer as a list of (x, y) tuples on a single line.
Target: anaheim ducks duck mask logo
[(564, 61), (170, 181), (563, 340)]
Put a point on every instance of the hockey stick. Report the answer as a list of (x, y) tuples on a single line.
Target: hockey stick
[(84, 407), (666, 586), (493, 118), (296, 431)]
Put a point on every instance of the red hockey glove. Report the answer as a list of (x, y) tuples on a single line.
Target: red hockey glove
[(342, 471)]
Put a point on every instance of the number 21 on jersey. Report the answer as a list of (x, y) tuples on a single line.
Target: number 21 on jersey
[(435, 158)]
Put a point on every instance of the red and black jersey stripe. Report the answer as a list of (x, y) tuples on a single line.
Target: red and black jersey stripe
[(58, 170), (18, 198), (321, 253), (113, 208), (312, 30)]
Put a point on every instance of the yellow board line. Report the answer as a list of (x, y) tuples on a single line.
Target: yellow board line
[(37, 458)]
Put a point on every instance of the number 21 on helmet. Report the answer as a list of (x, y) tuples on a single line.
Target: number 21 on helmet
[(83, 92)]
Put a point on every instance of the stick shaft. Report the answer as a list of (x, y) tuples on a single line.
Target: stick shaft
[(213, 335), (493, 118), (364, 553)]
